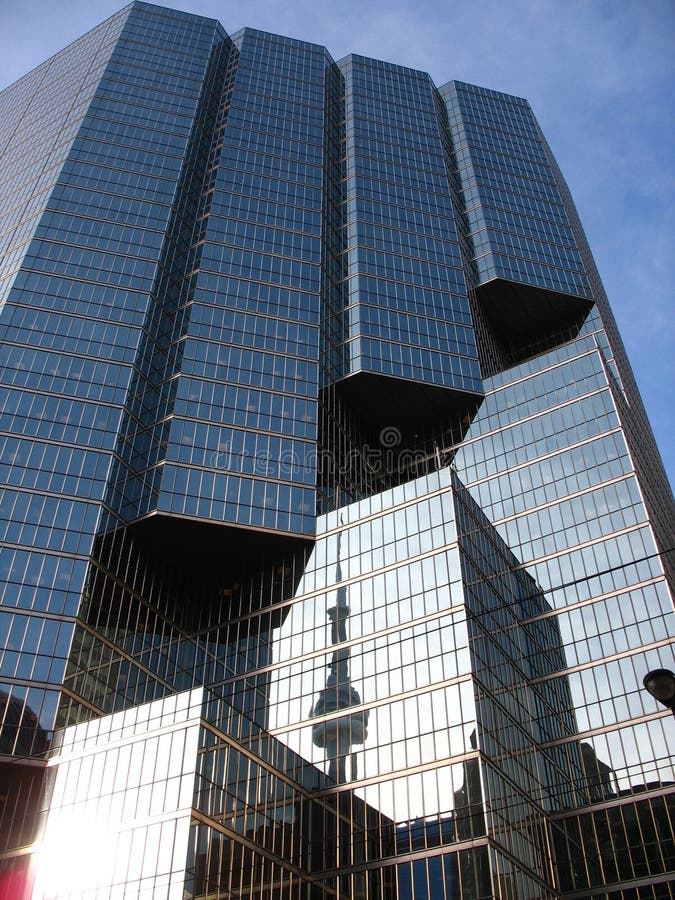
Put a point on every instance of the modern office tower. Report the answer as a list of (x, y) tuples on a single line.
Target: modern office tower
[(335, 542)]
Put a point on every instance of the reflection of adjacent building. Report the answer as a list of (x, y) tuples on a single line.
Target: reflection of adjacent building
[(486, 802), (621, 835), (339, 734), (263, 817), (261, 260), (221, 815), (598, 775), (241, 818)]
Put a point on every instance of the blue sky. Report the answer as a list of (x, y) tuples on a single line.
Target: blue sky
[(600, 75)]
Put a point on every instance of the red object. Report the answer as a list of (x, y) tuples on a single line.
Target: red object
[(17, 883)]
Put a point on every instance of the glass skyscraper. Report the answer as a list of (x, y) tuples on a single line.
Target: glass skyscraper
[(334, 542)]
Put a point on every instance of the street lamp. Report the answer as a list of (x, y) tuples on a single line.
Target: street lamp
[(661, 685)]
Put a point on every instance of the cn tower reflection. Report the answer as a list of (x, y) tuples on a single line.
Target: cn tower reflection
[(340, 734)]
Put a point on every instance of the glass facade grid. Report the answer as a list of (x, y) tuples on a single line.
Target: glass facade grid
[(244, 342), (519, 227), (69, 346), (400, 228), (119, 799), (334, 538)]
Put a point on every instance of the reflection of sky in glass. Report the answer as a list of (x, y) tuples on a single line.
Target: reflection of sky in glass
[(408, 646), (409, 657)]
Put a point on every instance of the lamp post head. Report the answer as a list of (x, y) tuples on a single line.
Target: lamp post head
[(660, 683)]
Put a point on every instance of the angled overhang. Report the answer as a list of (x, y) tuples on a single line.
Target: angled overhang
[(528, 319), (412, 407)]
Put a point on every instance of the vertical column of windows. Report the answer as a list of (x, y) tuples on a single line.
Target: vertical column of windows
[(73, 320), (547, 459), (251, 351), (136, 480), (409, 313), (517, 222)]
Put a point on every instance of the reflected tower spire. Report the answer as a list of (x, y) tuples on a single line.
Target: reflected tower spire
[(339, 735)]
